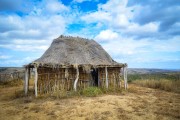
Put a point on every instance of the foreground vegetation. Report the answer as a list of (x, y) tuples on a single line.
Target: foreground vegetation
[(131, 105), (96, 103)]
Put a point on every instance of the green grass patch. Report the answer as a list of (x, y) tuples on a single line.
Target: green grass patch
[(91, 91)]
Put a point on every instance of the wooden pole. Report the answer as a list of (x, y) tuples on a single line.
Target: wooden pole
[(77, 77), (114, 78), (26, 81), (106, 72), (35, 80), (125, 77)]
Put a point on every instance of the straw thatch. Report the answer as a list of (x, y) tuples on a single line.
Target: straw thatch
[(75, 51)]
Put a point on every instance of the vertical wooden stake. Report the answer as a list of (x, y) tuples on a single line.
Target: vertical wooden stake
[(120, 77), (114, 78), (35, 80), (77, 77), (106, 72), (125, 77), (26, 81)]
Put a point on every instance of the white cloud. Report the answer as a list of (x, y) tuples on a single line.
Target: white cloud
[(142, 50), (115, 15), (80, 1), (55, 6), (106, 35), (5, 57), (25, 47), (99, 16), (118, 45), (18, 62)]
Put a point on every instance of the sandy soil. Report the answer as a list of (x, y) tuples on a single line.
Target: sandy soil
[(137, 104)]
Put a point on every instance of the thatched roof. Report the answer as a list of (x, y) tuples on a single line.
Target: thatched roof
[(75, 51)]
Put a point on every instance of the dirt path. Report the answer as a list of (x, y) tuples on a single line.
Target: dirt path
[(137, 104)]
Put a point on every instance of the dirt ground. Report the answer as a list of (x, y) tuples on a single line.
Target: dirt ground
[(137, 104)]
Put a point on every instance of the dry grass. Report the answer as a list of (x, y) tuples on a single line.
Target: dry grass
[(138, 103), (167, 85), (11, 83)]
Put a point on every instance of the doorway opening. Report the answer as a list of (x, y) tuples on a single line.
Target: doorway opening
[(94, 74)]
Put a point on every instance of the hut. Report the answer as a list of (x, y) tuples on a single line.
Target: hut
[(72, 63)]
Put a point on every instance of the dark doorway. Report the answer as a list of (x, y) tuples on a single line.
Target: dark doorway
[(94, 74)]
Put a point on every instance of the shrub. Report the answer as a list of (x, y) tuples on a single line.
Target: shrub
[(91, 91)]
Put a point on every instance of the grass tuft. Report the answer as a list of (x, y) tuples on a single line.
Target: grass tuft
[(91, 91)]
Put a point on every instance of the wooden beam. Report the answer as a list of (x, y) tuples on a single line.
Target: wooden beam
[(26, 81), (106, 72), (35, 80), (77, 78)]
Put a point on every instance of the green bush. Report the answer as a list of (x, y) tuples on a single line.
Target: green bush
[(91, 91)]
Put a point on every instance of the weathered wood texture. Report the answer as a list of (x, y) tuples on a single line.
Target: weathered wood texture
[(35, 81), (50, 80), (26, 81), (114, 77), (55, 79)]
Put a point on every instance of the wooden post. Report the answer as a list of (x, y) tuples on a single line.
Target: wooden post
[(35, 80), (125, 77), (26, 81), (119, 78), (106, 72), (114, 78), (77, 77)]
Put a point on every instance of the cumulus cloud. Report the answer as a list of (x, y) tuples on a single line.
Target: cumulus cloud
[(31, 31), (17, 62), (131, 31), (32, 27), (106, 35), (80, 1), (55, 6), (139, 18), (166, 12), (129, 49)]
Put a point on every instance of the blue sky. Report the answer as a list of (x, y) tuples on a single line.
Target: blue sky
[(142, 33)]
